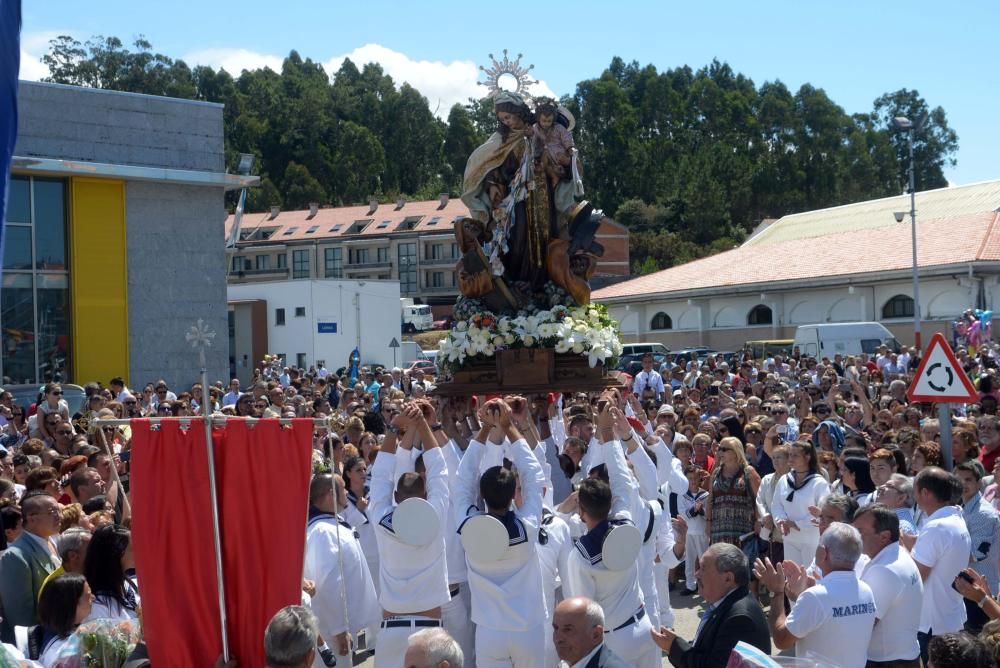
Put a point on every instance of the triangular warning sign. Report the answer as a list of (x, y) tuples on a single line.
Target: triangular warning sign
[(940, 376)]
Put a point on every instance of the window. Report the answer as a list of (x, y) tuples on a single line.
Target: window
[(437, 279), (454, 251), (408, 223), (283, 261), (312, 229), (433, 221), (358, 226), (34, 301), (333, 260), (383, 254), (661, 321), (289, 231), (263, 262), (357, 256), (300, 264), (760, 315), (247, 264), (899, 306), (237, 259), (384, 224), (434, 251), (300, 360), (336, 228), (407, 258), (300, 311), (279, 316)]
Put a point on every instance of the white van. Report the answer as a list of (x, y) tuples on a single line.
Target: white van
[(643, 348), (843, 338)]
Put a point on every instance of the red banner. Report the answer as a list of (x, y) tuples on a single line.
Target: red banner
[(262, 479)]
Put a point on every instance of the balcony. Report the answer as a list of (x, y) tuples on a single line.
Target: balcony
[(251, 274), (445, 261), (380, 264), (440, 289)]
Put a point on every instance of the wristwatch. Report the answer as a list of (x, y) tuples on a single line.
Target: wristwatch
[(391, 430), (437, 427)]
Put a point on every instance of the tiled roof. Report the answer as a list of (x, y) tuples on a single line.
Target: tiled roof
[(338, 222), (948, 240), (931, 204)]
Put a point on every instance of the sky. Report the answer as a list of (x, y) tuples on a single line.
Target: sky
[(855, 50)]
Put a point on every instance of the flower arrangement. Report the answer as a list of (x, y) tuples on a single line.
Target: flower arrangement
[(582, 330), (102, 643)]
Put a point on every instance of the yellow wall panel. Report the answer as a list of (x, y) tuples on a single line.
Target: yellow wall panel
[(98, 280)]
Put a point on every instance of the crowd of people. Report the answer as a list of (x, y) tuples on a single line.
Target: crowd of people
[(803, 502)]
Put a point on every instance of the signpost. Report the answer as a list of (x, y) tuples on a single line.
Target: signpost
[(394, 344), (941, 380)]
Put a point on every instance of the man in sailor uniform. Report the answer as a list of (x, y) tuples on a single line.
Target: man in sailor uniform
[(414, 577), (603, 506), (508, 604), (335, 562)]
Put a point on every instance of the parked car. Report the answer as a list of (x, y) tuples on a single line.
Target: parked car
[(446, 322), (25, 395), (426, 366), (644, 347), (632, 364), (684, 356)]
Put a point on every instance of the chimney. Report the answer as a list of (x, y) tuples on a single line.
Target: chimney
[(313, 209), (372, 206), (400, 203), (275, 210), (443, 201)]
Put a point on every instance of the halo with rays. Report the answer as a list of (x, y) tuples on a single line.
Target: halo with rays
[(510, 70)]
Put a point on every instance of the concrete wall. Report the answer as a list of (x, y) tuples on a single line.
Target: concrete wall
[(720, 322), (87, 124), (176, 275)]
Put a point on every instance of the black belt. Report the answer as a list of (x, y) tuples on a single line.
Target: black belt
[(631, 620), (454, 591), (409, 623)]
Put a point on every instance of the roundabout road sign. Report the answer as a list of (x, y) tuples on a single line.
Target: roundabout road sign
[(940, 377)]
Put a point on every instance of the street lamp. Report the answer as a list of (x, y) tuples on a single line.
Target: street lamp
[(907, 126)]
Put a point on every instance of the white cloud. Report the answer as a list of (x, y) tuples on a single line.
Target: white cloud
[(233, 61), (443, 84), (34, 45), (32, 68)]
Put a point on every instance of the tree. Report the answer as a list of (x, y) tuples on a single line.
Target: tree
[(459, 142), (934, 145), (300, 188), (263, 197)]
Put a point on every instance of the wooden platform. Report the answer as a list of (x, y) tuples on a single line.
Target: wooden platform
[(528, 371)]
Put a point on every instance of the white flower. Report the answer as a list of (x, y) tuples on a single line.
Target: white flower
[(508, 339), (597, 354), (498, 340), (528, 340), (462, 325), (577, 348), (563, 346)]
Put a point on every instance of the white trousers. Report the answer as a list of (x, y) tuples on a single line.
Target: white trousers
[(647, 583), (503, 649), (801, 551), (456, 620), (694, 547), (634, 645), (662, 575), (392, 643)]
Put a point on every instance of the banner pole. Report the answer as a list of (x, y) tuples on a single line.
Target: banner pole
[(200, 336)]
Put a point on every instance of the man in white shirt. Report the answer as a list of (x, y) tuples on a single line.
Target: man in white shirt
[(830, 622), (508, 603), (413, 578), (647, 379), (617, 592), (232, 396), (942, 550), (896, 585), (345, 601)]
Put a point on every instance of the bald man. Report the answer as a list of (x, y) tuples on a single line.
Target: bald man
[(578, 634)]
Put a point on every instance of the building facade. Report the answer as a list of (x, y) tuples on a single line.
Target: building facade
[(844, 264), (106, 266), (410, 242)]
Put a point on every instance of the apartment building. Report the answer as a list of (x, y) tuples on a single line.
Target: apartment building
[(412, 242)]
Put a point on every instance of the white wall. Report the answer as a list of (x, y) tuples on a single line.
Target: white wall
[(329, 301)]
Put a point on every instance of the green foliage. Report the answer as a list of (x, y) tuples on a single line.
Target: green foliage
[(690, 161)]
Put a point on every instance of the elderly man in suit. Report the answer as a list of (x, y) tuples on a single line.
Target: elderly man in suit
[(733, 613), (28, 561), (578, 634)]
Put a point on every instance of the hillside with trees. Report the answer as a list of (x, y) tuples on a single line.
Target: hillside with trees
[(690, 160)]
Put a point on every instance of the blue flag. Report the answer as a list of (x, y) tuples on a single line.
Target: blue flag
[(10, 64)]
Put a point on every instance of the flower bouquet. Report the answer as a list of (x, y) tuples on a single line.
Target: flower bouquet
[(102, 643), (581, 330)]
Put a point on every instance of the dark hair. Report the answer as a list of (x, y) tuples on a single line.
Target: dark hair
[(862, 474), (95, 504), (938, 482), (497, 486), (809, 452), (349, 464), (958, 650), (11, 517), (410, 485), (58, 602), (39, 478), (103, 563), (964, 466), (884, 518), (594, 497), (521, 111), (80, 478)]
